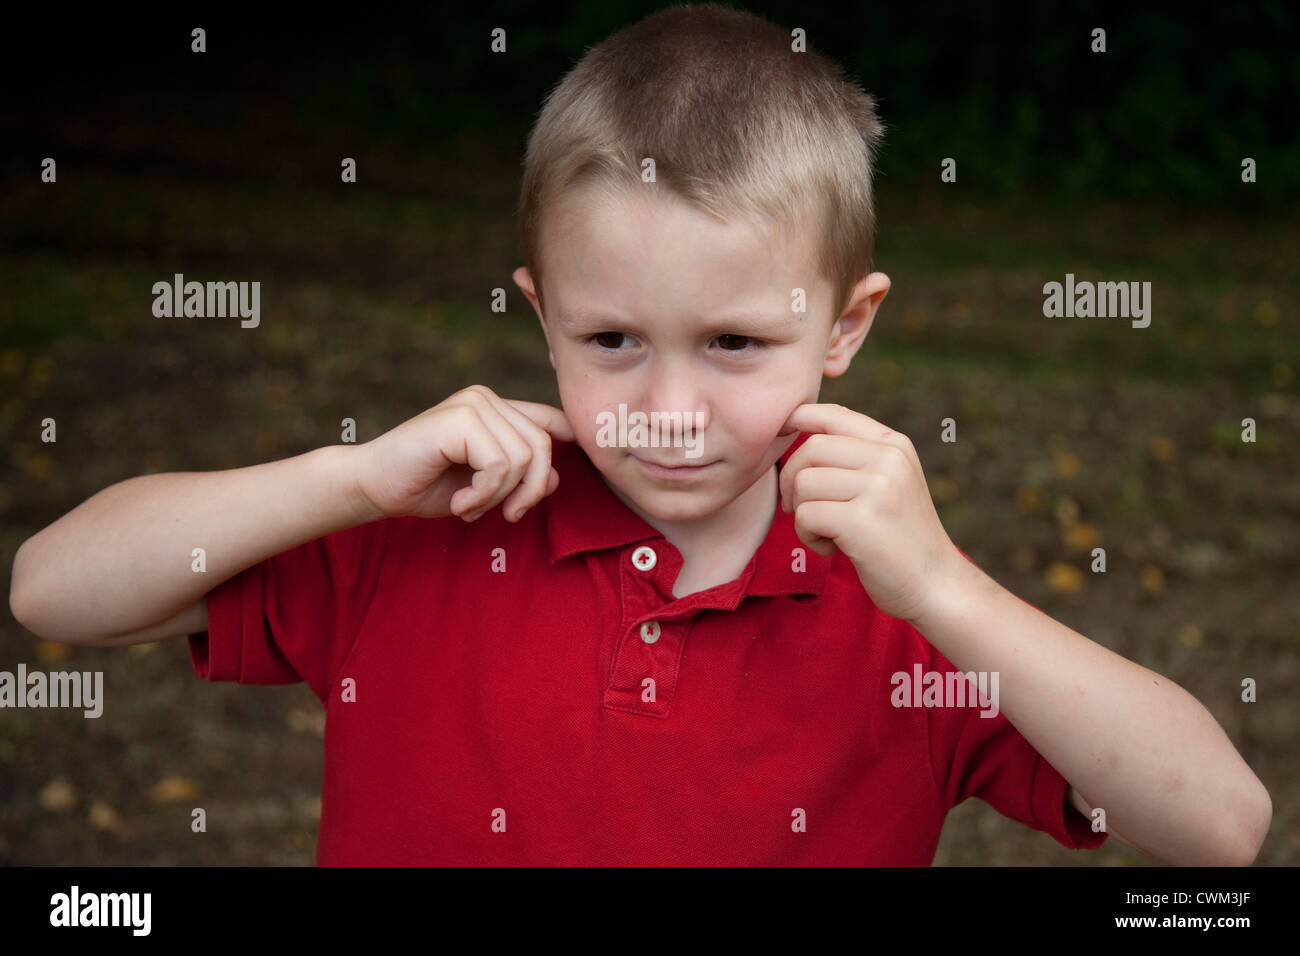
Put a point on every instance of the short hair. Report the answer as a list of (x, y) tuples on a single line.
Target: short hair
[(737, 122)]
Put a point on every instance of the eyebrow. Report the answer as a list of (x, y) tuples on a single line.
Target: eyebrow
[(755, 322)]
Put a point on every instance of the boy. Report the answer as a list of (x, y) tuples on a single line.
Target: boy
[(641, 655)]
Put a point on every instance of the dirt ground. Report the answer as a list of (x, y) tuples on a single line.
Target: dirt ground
[(1072, 434)]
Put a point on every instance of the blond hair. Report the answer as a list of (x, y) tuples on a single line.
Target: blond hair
[(736, 122)]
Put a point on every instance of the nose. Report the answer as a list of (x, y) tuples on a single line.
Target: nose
[(677, 386)]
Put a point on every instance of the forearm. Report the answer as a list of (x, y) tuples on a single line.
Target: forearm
[(1129, 740), (124, 558)]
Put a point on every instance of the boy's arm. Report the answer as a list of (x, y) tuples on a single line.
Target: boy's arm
[(118, 568), (1136, 743), (1140, 747)]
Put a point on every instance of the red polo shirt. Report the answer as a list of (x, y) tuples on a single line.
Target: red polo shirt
[(533, 693)]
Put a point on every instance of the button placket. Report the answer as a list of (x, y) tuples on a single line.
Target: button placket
[(643, 675)]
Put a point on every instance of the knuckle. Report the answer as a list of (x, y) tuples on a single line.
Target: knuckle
[(475, 395)]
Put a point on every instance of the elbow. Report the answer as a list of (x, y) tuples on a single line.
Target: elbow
[(21, 604), (1246, 837), (25, 602)]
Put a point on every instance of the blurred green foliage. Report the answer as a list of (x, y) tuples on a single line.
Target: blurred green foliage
[(1015, 94)]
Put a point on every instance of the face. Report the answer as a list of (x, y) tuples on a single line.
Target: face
[(660, 308)]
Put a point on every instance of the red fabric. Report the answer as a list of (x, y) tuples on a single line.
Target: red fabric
[(516, 696)]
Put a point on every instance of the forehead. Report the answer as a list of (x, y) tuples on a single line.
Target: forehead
[(648, 251)]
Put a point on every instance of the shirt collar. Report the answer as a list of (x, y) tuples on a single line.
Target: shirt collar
[(584, 514)]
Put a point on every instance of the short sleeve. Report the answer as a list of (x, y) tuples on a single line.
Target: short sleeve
[(974, 755), (296, 615)]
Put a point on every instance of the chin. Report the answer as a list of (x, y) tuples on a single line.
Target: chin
[(666, 504), (677, 506)]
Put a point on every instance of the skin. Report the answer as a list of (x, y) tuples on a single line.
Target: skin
[(705, 313)]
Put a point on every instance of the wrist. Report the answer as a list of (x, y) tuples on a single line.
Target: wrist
[(957, 588), (344, 464)]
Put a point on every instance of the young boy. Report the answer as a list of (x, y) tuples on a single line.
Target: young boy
[(725, 638)]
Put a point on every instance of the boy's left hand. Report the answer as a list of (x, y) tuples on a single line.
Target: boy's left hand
[(859, 486)]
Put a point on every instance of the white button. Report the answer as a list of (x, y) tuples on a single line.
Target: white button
[(650, 631), (644, 558)]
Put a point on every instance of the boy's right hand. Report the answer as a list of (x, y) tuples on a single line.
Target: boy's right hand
[(463, 457)]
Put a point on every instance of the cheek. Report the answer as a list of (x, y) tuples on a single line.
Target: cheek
[(757, 419), (581, 407)]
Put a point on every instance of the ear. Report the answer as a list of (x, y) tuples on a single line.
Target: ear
[(524, 279), (851, 328)]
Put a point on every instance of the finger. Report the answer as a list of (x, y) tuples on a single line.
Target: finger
[(814, 524), (837, 420), (480, 451), (829, 451), (824, 484), (537, 478), (548, 417), (519, 454), (841, 451)]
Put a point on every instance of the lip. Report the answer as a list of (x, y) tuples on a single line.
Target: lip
[(674, 473)]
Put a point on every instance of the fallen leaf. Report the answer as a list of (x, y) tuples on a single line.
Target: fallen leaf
[(1067, 511), (1067, 464), (39, 467), (943, 489), (174, 790), (1152, 578), (57, 795), (1064, 578), (1082, 536), (52, 651), (309, 722), (1162, 448), (104, 817), (1267, 314)]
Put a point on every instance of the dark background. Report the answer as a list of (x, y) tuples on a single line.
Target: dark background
[(1073, 433)]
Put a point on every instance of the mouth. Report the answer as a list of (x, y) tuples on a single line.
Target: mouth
[(674, 471)]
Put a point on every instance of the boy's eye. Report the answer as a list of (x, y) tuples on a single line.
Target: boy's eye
[(734, 343), (729, 342), (607, 340)]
